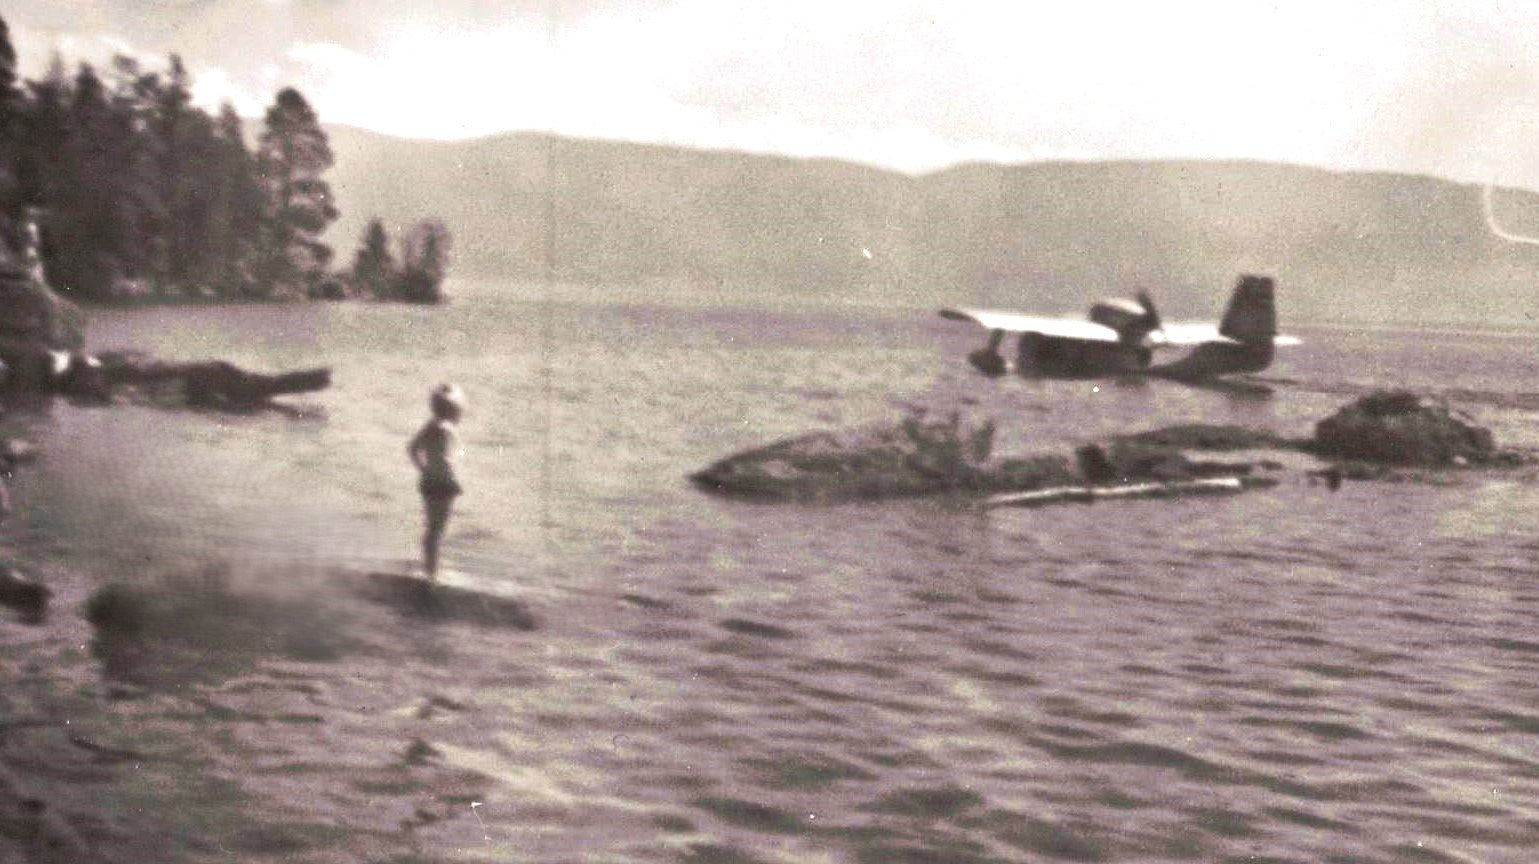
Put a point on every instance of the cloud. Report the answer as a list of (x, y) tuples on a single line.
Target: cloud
[(1469, 105), (438, 85), (689, 73), (907, 83), (212, 87)]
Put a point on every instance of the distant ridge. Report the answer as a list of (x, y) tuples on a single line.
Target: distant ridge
[(1358, 246)]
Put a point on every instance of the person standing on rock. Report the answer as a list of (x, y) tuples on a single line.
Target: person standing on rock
[(433, 451)]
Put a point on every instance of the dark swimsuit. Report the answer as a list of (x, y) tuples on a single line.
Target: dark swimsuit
[(438, 487)]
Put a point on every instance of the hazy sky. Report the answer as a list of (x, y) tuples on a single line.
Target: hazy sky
[(1446, 88)]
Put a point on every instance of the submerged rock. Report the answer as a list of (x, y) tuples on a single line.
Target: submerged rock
[(481, 602), (1403, 428), (1206, 436), (175, 629)]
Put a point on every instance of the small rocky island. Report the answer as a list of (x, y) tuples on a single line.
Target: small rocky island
[(921, 455)]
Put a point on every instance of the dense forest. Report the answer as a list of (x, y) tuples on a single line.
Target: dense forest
[(139, 194)]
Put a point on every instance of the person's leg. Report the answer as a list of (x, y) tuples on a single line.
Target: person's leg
[(437, 509)]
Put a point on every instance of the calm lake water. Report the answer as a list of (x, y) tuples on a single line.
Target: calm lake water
[(1291, 675)]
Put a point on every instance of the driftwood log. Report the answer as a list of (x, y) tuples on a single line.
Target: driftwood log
[(205, 384)]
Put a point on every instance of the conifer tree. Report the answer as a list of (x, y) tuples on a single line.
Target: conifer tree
[(181, 145), (7, 65), (11, 106), (292, 156), (374, 270), (82, 217), (424, 262), (142, 233), (44, 128), (235, 209)]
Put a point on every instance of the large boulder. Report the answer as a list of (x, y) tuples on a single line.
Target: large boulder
[(1401, 427)]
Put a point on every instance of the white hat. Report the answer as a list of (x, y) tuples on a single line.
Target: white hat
[(447, 396)]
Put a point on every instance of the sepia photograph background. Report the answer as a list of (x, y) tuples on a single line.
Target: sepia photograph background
[(755, 560)]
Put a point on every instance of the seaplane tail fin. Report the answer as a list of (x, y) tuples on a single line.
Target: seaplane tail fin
[(1151, 315), (1251, 316)]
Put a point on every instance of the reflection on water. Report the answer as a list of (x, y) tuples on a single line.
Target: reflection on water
[(1286, 676)]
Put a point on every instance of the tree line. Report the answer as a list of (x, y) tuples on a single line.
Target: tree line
[(139, 193)]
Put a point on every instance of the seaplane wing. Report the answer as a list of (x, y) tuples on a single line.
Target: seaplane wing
[(1182, 335), (1173, 334), (1168, 335), (1014, 322)]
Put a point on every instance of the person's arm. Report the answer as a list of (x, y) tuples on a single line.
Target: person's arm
[(452, 449), (414, 448)]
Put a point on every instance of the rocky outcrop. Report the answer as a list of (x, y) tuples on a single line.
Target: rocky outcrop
[(1400, 427), (36, 327), (487, 604), (33, 314), (922, 455)]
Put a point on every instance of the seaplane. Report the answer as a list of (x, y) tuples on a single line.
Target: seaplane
[(1119, 338)]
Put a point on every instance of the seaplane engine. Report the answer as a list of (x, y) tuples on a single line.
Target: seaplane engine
[(1131, 321)]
